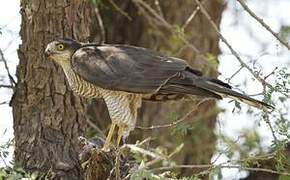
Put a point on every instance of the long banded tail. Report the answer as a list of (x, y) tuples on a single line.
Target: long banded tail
[(224, 90)]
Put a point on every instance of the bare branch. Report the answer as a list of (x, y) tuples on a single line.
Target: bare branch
[(204, 166), (6, 86), (157, 4), (256, 75), (12, 81), (92, 125), (121, 11), (233, 75), (203, 10), (271, 73), (141, 4), (154, 13), (101, 24), (3, 160), (183, 118), (4, 102), (190, 18), (267, 120), (135, 148), (260, 20), (157, 157)]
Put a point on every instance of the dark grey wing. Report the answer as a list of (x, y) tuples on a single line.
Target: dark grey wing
[(125, 68)]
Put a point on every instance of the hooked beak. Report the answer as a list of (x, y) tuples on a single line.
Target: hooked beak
[(47, 53)]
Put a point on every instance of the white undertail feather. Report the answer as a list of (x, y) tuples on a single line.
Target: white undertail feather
[(228, 93), (256, 104)]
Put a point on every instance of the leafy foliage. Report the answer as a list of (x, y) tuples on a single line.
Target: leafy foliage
[(12, 172), (9, 173)]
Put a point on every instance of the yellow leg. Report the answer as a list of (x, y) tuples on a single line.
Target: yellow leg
[(120, 134), (109, 137)]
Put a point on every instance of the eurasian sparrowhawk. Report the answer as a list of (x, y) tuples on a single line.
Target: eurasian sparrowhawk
[(125, 75)]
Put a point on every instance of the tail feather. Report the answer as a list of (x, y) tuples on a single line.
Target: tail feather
[(225, 91)]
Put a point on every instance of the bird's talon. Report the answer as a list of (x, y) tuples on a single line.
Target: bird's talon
[(84, 164)]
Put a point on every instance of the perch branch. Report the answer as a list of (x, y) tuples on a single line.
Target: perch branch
[(260, 20)]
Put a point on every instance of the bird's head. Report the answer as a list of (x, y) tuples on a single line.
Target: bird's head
[(61, 50)]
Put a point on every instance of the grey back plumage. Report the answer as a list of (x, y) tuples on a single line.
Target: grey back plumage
[(125, 68)]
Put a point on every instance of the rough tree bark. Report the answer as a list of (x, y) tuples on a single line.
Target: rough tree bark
[(48, 118)]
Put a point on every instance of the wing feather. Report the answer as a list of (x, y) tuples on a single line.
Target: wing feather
[(125, 68)]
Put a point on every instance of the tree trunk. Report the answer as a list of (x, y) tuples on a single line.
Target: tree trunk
[(48, 118)]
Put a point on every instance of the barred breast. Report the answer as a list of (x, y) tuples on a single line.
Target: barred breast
[(122, 106), (80, 86)]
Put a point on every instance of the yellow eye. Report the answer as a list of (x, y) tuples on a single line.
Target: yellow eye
[(60, 47)]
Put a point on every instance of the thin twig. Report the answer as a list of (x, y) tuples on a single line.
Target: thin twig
[(202, 166), (12, 81), (142, 4), (156, 156), (256, 75), (183, 118), (203, 10), (143, 151), (121, 11), (260, 20), (232, 76), (101, 25), (171, 28), (224, 151), (271, 73), (92, 125), (3, 160), (154, 13), (267, 120), (190, 18), (4, 102), (160, 12), (6, 86)]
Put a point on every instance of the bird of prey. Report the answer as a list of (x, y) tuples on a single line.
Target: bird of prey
[(125, 75)]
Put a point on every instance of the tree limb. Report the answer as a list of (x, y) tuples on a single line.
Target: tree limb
[(2, 58), (204, 166), (260, 20)]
